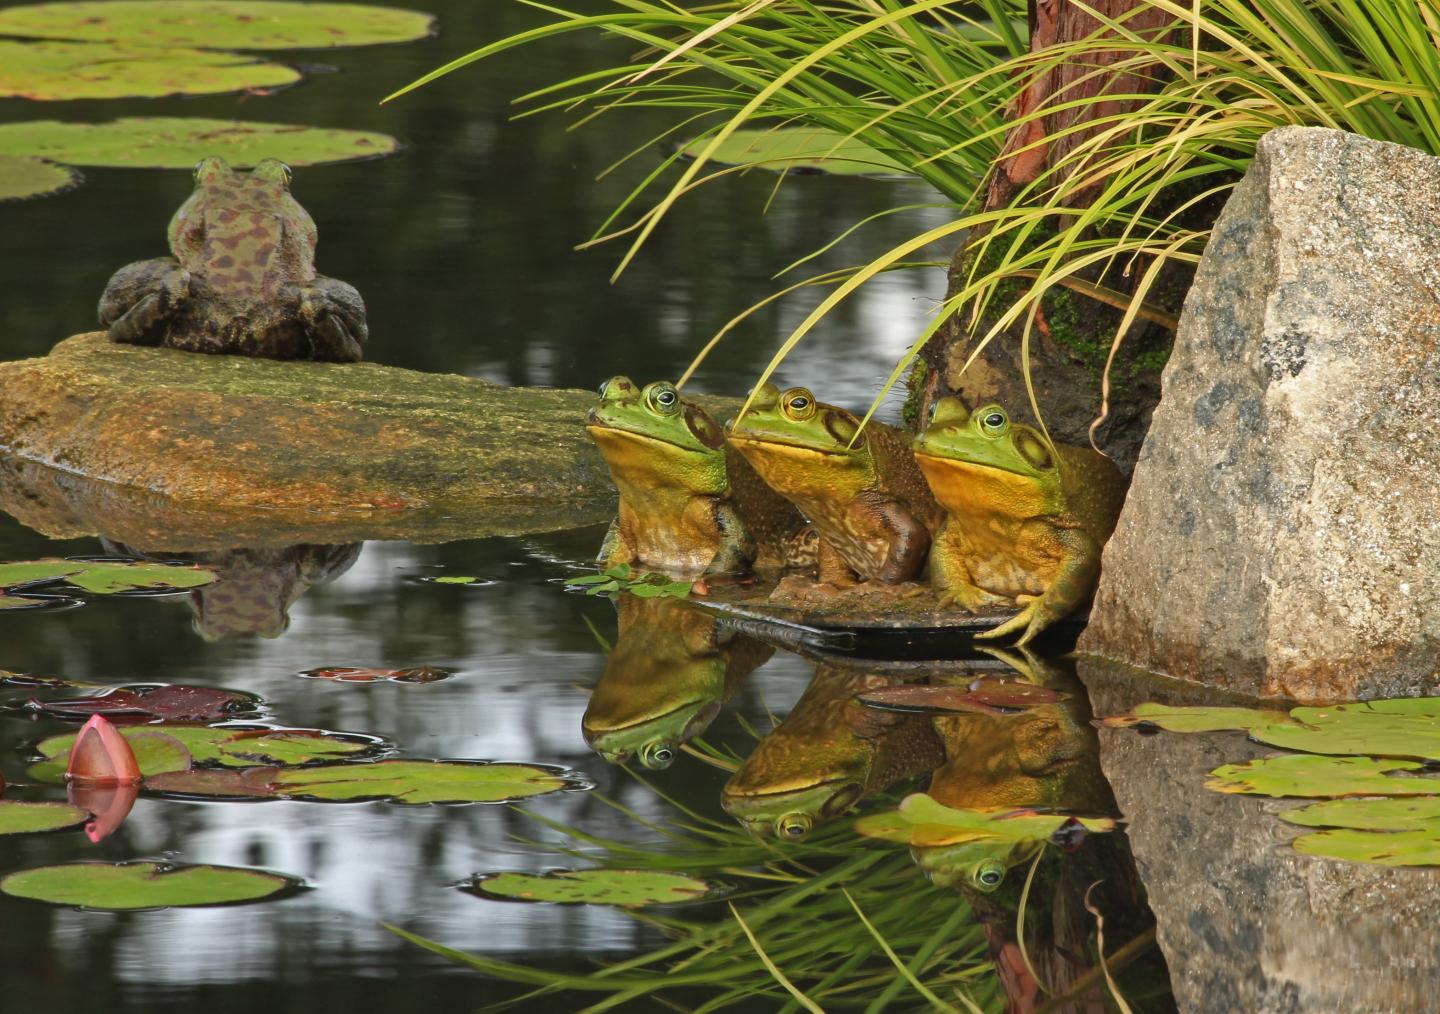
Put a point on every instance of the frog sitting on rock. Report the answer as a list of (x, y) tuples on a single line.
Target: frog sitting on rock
[(242, 279), (1025, 518)]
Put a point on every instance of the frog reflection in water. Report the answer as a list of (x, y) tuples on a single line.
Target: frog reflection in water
[(242, 279), (255, 587), (1025, 518), (829, 753), (861, 490), (688, 504), (665, 680)]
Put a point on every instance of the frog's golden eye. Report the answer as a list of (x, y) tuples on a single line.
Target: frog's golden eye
[(657, 757), (798, 404), (988, 875), (993, 420), (793, 826), (662, 398)]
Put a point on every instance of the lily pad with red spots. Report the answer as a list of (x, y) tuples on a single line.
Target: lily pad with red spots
[(57, 71)]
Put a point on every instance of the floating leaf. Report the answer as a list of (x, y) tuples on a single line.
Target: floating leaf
[(216, 23), (52, 71), (1311, 775), (1413, 813), (1383, 848), (807, 148), (474, 582), (179, 142), (22, 602), (986, 697), (626, 888), (27, 818), (1197, 719), (120, 886), (224, 783), (231, 746), (413, 781), (921, 820), (1405, 727), (104, 577), (167, 702), (22, 177), (350, 674)]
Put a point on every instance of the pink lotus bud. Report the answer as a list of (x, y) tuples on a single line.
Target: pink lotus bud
[(101, 756), (108, 806)]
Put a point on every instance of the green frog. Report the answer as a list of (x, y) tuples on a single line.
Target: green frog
[(1025, 518), (241, 279), (861, 490), (671, 670), (688, 504), (829, 753)]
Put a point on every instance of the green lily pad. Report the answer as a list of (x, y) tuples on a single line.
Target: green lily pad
[(1403, 813), (417, 781), (1319, 776), (1196, 719), (1405, 727), (104, 578), (921, 820), (811, 148), (229, 746), (120, 886), (22, 177), (215, 23), (1382, 848), (17, 817), (158, 142), (54, 71), (626, 888)]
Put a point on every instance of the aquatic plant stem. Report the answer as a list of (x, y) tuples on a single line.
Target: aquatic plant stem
[(779, 976)]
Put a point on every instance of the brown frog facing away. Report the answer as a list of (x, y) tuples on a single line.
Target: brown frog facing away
[(242, 279), (862, 491)]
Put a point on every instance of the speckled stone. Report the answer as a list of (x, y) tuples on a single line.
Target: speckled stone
[(1282, 534)]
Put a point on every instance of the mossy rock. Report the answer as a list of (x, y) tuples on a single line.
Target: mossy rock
[(176, 442)]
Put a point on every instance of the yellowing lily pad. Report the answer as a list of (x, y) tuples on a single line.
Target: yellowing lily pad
[(104, 578), (1318, 776), (17, 817), (54, 71), (418, 781), (1388, 832), (22, 177), (1196, 719), (157, 142), (217, 23), (626, 888), (809, 148), (921, 820), (121, 886), (1382, 848)]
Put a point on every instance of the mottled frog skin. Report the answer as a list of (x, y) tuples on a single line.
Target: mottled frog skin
[(688, 504), (241, 279), (665, 680), (864, 494), (829, 753), (1025, 518)]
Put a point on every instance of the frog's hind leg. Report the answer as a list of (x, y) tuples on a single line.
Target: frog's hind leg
[(334, 318), (141, 298)]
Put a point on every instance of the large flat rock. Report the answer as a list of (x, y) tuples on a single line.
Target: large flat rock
[(1280, 536), (204, 450)]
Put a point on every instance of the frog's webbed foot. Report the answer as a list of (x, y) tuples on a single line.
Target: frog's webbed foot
[(141, 298), (334, 318), (1032, 619)]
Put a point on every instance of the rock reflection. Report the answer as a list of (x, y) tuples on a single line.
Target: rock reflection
[(256, 586), (666, 678), (1245, 922)]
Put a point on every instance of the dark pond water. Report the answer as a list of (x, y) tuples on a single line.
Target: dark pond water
[(463, 247)]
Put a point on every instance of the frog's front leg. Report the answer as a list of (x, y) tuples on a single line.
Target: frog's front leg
[(907, 538), (738, 548), (333, 315), (951, 578), (1072, 584), (141, 298)]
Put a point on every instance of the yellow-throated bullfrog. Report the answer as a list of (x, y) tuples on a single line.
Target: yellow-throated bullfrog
[(688, 504), (1025, 518), (861, 490), (829, 753), (242, 279), (671, 670)]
